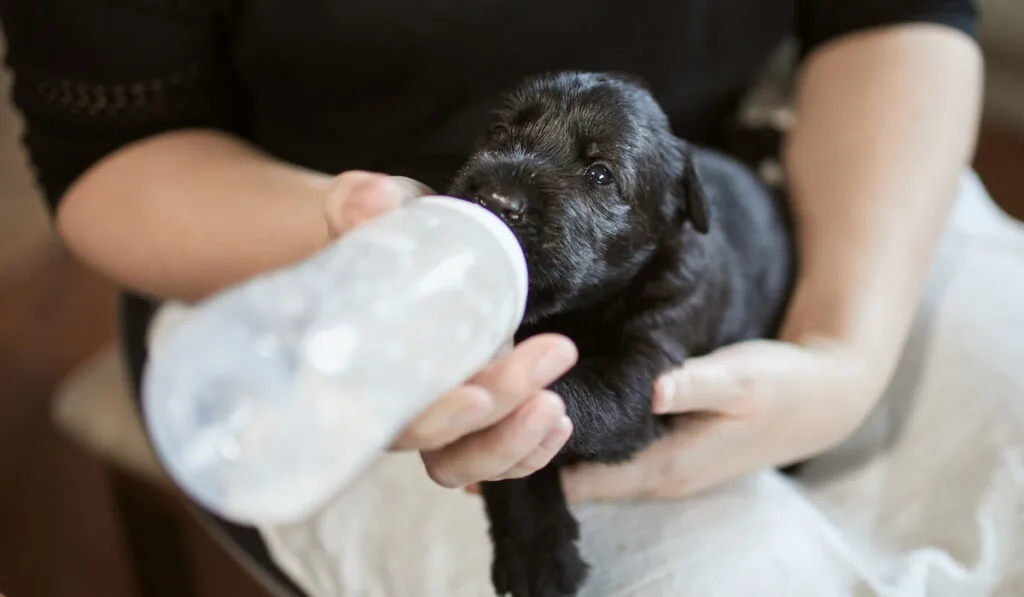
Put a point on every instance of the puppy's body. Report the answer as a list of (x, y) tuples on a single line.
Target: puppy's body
[(641, 248)]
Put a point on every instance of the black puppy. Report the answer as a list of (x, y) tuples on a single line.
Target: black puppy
[(644, 250)]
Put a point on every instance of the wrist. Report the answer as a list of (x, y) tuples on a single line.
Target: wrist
[(860, 317)]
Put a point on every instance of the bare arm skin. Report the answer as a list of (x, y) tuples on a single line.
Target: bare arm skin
[(183, 214), (887, 122)]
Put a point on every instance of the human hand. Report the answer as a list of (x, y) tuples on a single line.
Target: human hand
[(355, 197), (744, 407), (502, 423)]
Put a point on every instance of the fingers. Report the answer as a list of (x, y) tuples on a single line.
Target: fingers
[(491, 453), (542, 454), (637, 478), (688, 459), (460, 412), (412, 186), (700, 384), (724, 382), (356, 196), (538, 459), (492, 394), (530, 367), (593, 482)]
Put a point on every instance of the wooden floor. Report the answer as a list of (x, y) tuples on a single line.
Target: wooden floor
[(58, 535)]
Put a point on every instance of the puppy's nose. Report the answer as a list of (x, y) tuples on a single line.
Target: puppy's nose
[(509, 206)]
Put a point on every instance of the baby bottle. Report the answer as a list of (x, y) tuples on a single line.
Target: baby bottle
[(276, 392)]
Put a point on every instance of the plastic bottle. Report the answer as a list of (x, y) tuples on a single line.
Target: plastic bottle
[(275, 393)]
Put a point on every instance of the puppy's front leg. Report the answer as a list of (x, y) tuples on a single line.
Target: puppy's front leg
[(608, 398), (534, 536)]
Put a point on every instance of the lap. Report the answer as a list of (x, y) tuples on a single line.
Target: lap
[(395, 533)]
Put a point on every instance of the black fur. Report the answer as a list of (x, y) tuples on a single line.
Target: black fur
[(681, 251)]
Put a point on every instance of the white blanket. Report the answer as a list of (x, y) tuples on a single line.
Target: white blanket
[(926, 500)]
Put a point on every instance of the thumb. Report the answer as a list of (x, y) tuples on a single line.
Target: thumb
[(356, 196), (722, 382)]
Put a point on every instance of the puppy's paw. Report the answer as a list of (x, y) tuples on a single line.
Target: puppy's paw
[(521, 571)]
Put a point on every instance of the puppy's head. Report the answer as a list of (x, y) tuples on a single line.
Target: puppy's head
[(584, 168)]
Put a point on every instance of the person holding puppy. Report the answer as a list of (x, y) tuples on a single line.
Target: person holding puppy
[(184, 146)]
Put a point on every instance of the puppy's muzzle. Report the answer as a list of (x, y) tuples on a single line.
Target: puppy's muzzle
[(500, 186), (509, 206)]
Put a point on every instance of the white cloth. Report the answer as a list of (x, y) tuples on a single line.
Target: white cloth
[(925, 501)]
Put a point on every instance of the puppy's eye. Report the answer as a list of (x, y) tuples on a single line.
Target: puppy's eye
[(498, 132), (599, 174)]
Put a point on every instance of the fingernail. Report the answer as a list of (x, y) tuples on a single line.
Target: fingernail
[(411, 188), (538, 419), (555, 362), (664, 394), (557, 436), (370, 198)]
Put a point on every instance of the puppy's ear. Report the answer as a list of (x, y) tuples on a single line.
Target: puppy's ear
[(695, 201)]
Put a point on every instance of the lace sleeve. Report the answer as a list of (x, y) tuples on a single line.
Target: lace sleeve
[(93, 75), (823, 20)]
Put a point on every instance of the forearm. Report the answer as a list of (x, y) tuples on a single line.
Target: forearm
[(887, 122), (184, 214)]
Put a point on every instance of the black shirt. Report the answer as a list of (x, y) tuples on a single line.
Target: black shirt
[(400, 86)]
